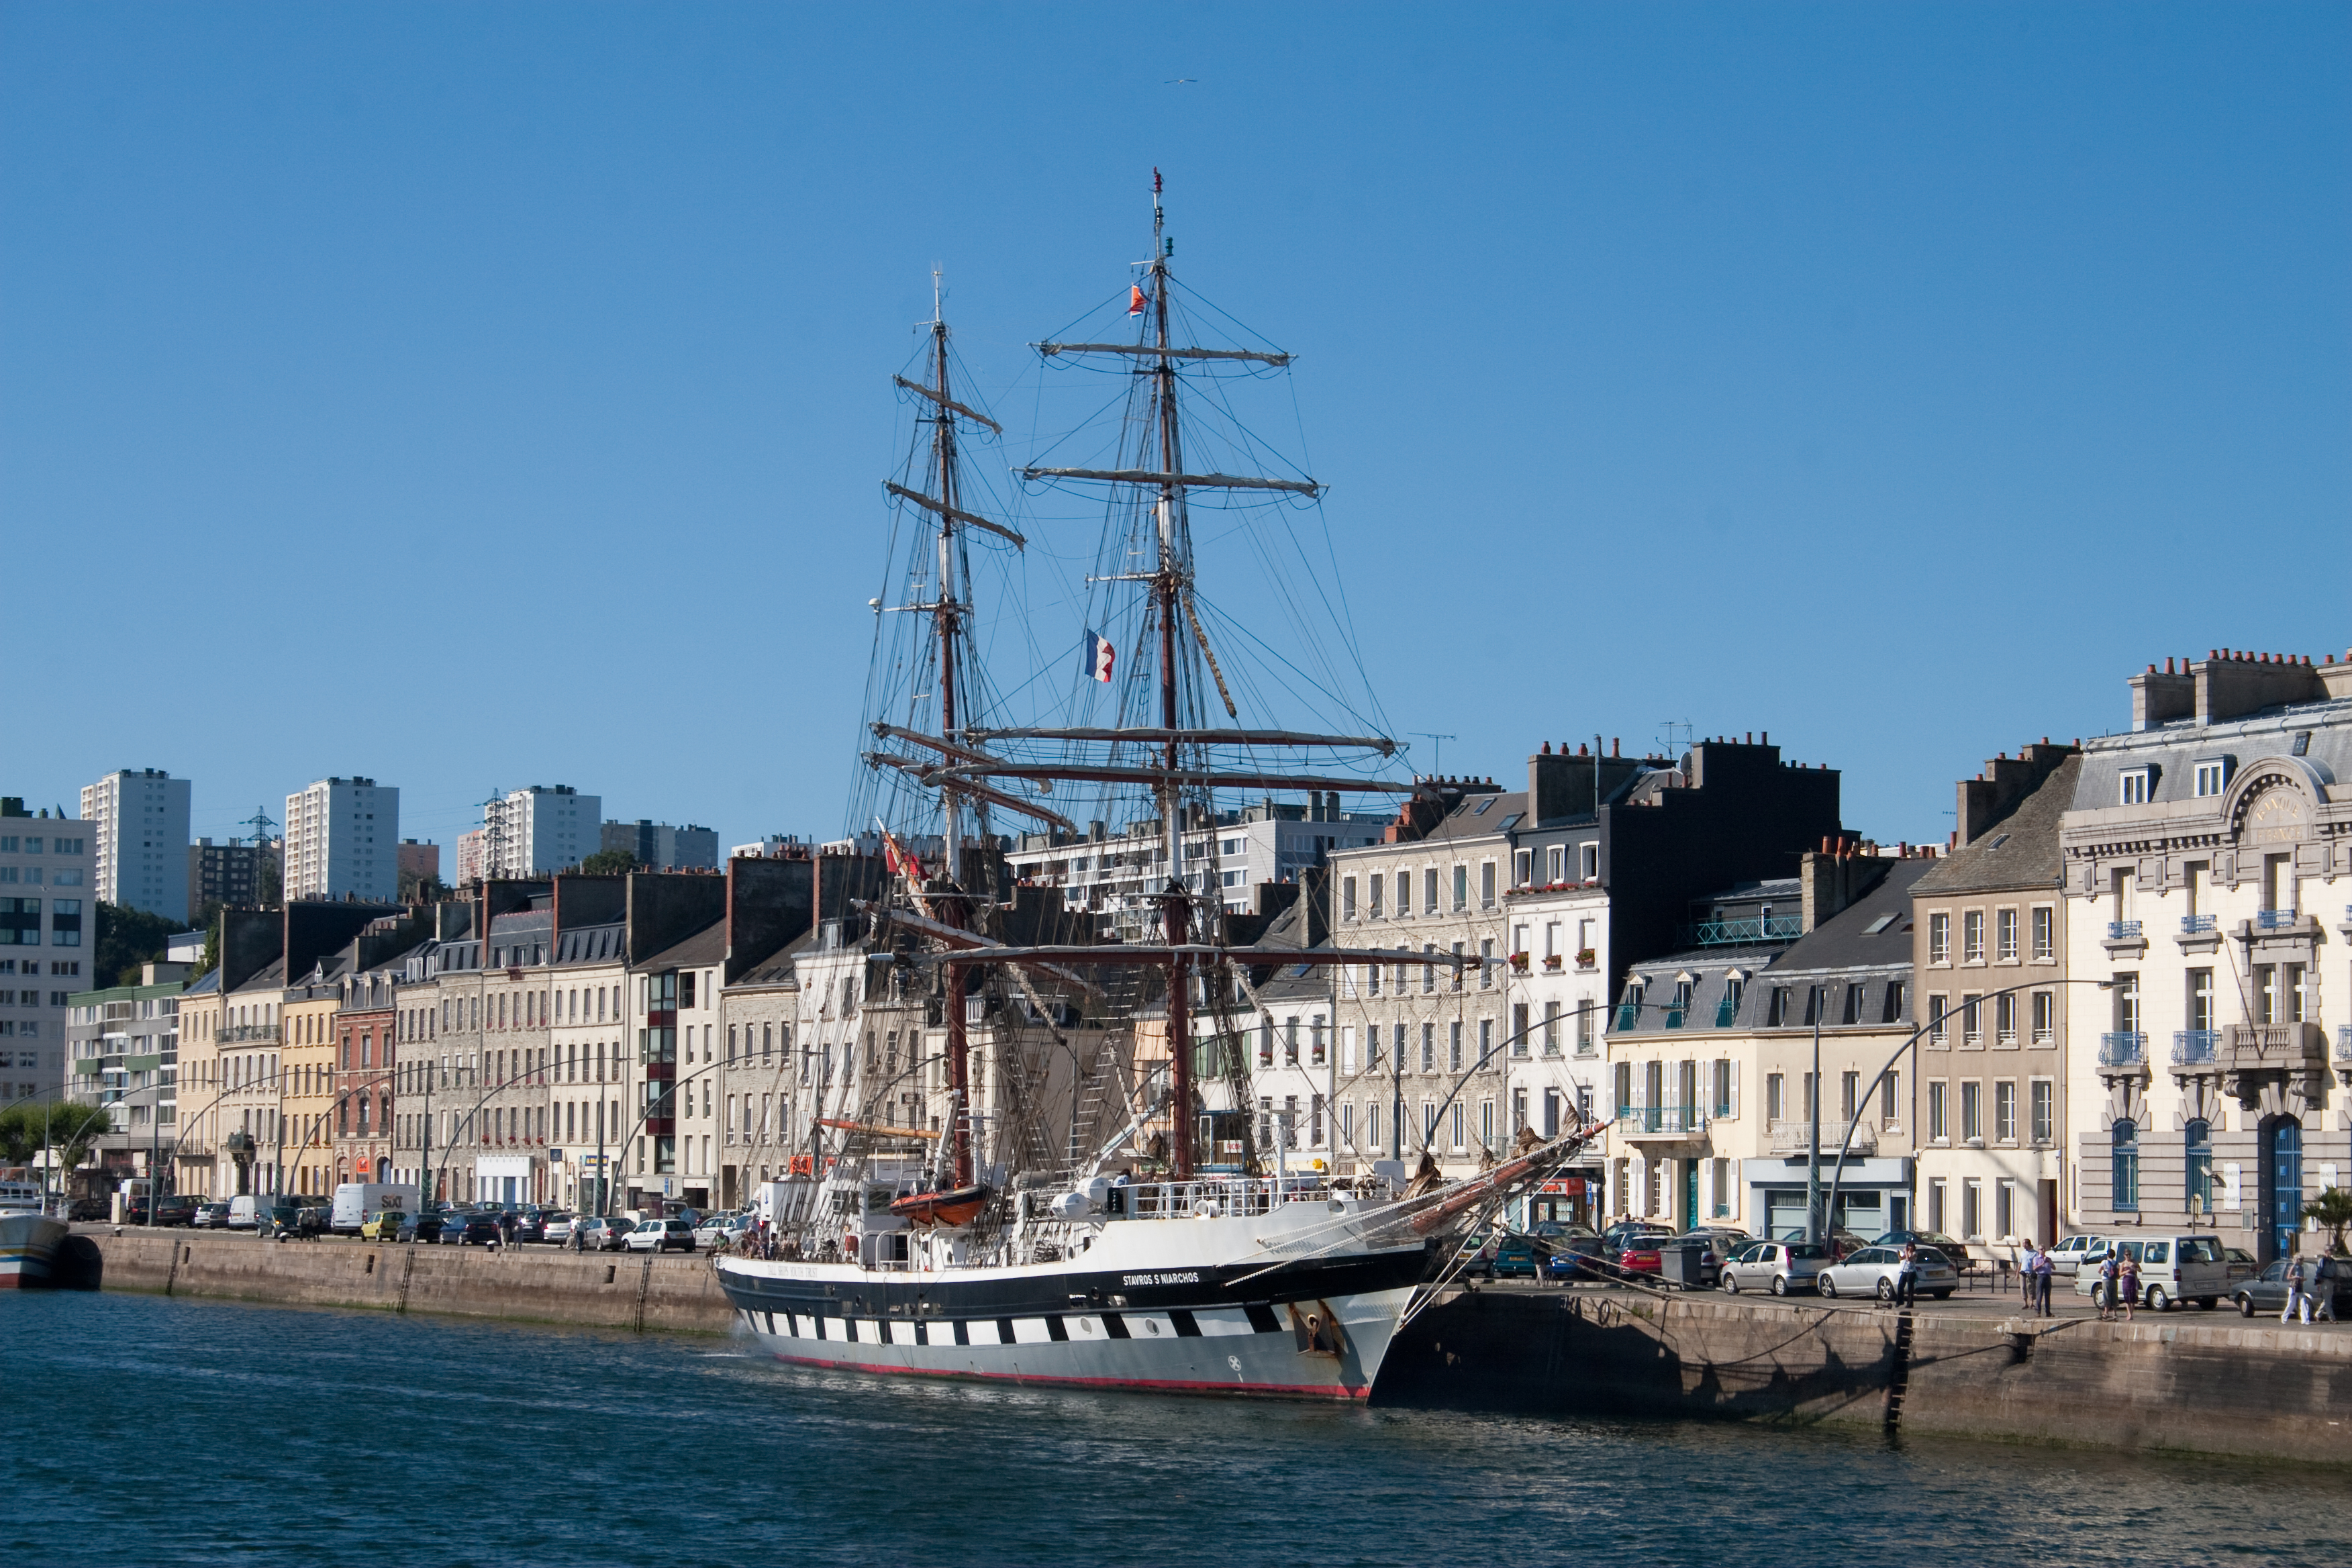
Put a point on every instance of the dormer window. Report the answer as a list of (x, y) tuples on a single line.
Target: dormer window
[(2137, 786), (2211, 776)]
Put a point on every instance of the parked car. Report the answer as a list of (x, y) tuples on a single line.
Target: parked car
[(733, 1226), (2172, 1269), (245, 1212), (2240, 1264), (384, 1225), (600, 1234), (2067, 1256), (660, 1236), (530, 1225), (1614, 1239), (555, 1226), (1778, 1267), (169, 1210), (425, 1227), (210, 1217), (1952, 1247), (1575, 1253), (1873, 1270), (1639, 1255), (2266, 1291)]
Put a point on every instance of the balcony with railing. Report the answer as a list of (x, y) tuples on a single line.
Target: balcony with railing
[(2273, 1045), (2123, 930), (2197, 1048), (1796, 1137), (2197, 925), (1629, 1015), (1743, 933), (2277, 920), (247, 1034), (1660, 1121), (2123, 1050), (2344, 1045)]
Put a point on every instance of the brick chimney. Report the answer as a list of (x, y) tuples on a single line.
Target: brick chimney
[(1993, 794)]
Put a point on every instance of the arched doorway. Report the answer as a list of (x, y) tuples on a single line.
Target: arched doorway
[(2282, 1184)]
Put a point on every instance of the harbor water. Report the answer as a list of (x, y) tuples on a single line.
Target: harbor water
[(143, 1429)]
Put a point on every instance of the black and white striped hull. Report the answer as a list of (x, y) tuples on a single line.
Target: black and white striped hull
[(1253, 1325)]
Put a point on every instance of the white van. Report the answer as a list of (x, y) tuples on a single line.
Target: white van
[(243, 1213), (2172, 1269), (355, 1201)]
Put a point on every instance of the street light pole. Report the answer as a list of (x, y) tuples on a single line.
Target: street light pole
[(1813, 1226)]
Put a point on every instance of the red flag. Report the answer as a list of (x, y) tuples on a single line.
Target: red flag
[(1135, 300)]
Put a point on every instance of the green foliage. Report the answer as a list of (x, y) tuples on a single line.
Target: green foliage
[(127, 938), (2332, 1208), (416, 888), (63, 1125), (609, 863)]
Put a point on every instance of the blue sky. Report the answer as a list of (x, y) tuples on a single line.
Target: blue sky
[(471, 396)]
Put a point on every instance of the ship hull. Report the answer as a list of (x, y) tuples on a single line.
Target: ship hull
[(1254, 1326), (29, 1249)]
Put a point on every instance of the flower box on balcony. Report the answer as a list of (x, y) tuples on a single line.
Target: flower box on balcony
[(1551, 963), (1584, 958)]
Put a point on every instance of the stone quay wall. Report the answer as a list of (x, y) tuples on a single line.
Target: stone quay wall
[(604, 1291), (2201, 1383)]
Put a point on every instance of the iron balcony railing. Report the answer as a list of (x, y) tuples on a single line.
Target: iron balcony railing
[(2276, 919), (2123, 1050), (1726, 1011), (1732, 934), (1796, 1136), (2123, 930), (1674, 1017), (2197, 925), (2343, 1043), (239, 1034), (2196, 1048), (1640, 1120), (1629, 1015)]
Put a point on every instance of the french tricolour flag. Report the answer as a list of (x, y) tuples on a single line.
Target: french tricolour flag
[(1100, 656)]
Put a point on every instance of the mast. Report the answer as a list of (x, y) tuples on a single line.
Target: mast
[(1176, 921), (950, 810)]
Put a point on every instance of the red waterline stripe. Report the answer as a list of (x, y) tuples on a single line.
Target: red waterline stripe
[(1163, 1385)]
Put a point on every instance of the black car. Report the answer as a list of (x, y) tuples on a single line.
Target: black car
[(478, 1230), (422, 1228), (530, 1225)]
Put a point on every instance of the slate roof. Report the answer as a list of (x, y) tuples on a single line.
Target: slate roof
[(2019, 851), (705, 949)]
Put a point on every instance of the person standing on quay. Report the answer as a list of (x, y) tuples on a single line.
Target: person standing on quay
[(2127, 1284), (2110, 1271), (1906, 1277), (2297, 1298)]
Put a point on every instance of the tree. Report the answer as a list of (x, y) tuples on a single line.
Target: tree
[(128, 938), (2332, 1208), (609, 863), (64, 1125), (416, 888)]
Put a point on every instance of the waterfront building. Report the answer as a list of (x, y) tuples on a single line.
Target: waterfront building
[(759, 1140), (1272, 841), (538, 831), (197, 1113), (1715, 1106), (507, 1133), (340, 841), (125, 1045), (589, 1042), (368, 1054), (660, 846), (307, 1031), (673, 1151), (434, 1128), (47, 874), (2202, 851), (1988, 951), (247, 1133), (1295, 1053), (138, 837), (1428, 1032)]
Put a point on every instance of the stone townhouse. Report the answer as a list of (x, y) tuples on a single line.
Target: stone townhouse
[(1988, 949), (2202, 857), (1713, 1091)]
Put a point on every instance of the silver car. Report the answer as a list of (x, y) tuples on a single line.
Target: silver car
[(2066, 1257), (1873, 1270), (1778, 1267)]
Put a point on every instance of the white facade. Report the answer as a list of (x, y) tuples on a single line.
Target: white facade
[(44, 943), (342, 837), (534, 831), (1558, 949), (1123, 873), (139, 834)]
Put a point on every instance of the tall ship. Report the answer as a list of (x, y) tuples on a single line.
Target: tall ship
[(1032, 1149)]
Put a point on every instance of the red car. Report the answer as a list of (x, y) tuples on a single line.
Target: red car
[(1640, 1254)]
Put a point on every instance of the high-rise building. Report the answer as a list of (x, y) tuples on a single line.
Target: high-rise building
[(422, 861), (238, 874), (662, 847), (139, 832), (473, 856), (531, 832), (342, 838), (45, 942)]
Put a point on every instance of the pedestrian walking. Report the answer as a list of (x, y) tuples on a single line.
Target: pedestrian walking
[(2330, 1274), (2127, 1284), (2110, 1276), (1906, 1277), (2298, 1299), (2045, 1270)]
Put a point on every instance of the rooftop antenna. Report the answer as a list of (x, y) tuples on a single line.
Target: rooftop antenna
[(1436, 749)]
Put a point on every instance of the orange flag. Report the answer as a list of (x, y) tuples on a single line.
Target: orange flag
[(1135, 300)]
